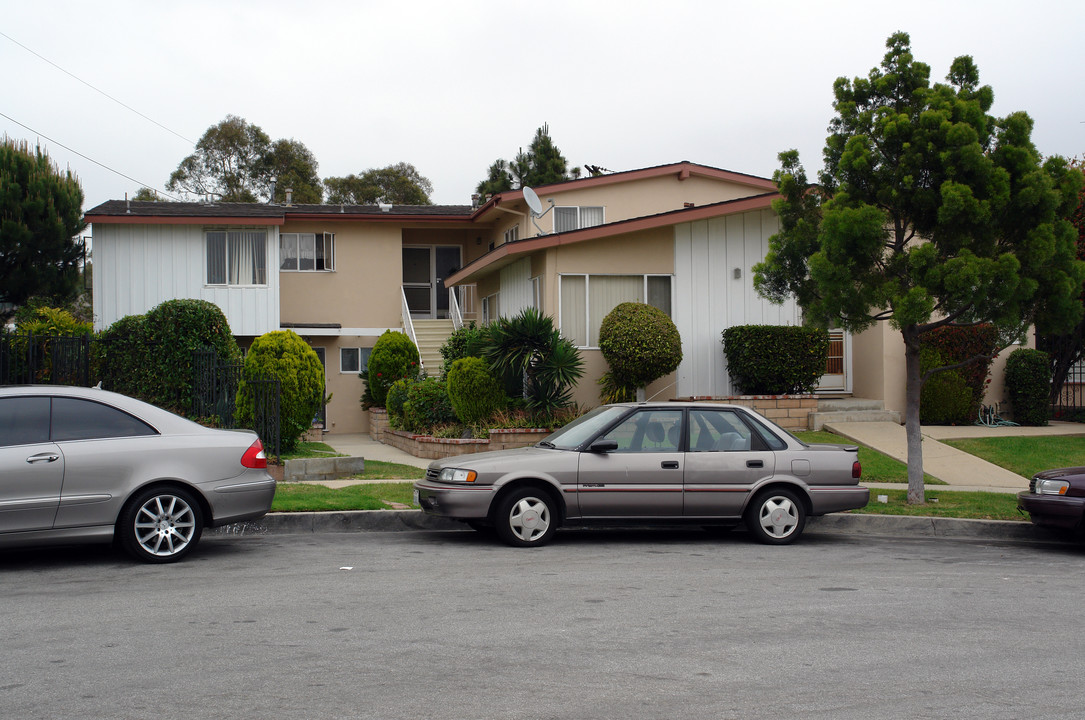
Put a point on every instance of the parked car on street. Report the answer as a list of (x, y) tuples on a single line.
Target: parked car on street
[(707, 464), (87, 465), (1055, 498)]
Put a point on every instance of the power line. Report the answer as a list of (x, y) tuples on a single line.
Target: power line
[(90, 159), (101, 92)]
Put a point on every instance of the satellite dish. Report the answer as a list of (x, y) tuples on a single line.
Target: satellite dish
[(533, 201)]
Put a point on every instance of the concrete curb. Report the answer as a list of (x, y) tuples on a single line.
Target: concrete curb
[(841, 523)]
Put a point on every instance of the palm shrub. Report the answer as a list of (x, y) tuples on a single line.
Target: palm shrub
[(283, 355), (641, 344), (394, 357), (476, 394), (1028, 383), (427, 406), (529, 353)]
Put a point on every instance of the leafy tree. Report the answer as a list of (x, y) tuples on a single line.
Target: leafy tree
[(41, 212), (231, 161), (296, 169), (146, 194), (929, 213), (399, 184), (394, 357), (542, 164), (1068, 348)]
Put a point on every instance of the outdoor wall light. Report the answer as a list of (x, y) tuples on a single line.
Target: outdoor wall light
[(737, 272)]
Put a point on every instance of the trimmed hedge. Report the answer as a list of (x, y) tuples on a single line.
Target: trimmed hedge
[(640, 343), (151, 356), (1028, 383), (475, 392), (953, 345), (946, 398), (283, 355), (394, 357), (462, 343), (775, 359), (427, 406)]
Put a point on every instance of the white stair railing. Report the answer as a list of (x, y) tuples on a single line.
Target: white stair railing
[(454, 309), (408, 325)]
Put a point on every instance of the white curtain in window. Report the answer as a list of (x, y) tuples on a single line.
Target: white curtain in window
[(574, 310), (591, 216), (605, 292), (659, 292), (288, 251), (247, 258), (306, 251), (216, 258), (565, 219)]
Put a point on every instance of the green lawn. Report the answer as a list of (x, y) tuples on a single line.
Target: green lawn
[(877, 467), (307, 497), (1026, 455), (947, 503), (311, 450)]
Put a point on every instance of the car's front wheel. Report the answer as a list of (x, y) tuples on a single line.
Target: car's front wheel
[(776, 517), (160, 525), (526, 518)]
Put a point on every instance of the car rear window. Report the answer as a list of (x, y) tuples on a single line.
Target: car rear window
[(75, 419), (24, 420)]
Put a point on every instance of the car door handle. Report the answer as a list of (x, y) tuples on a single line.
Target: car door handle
[(43, 457), (669, 465), (755, 464)]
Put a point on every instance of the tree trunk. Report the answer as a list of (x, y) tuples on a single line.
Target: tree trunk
[(912, 387)]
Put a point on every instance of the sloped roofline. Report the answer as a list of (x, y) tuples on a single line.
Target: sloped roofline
[(507, 252)]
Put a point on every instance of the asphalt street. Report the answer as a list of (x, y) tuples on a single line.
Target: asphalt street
[(600, 624)]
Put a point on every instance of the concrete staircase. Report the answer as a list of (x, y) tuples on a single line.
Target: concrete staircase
[(431, 335), (849, 409)]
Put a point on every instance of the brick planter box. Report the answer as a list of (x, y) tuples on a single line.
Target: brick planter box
[(431, 448), (790, 412), (378, 423)]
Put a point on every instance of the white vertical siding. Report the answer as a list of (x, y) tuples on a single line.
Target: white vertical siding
[(137, 267), (709, 299), (516, 294)]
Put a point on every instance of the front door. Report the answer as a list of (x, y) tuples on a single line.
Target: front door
[(425, 268)]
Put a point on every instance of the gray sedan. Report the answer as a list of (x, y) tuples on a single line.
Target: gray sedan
[(702, 463), (87, 465)]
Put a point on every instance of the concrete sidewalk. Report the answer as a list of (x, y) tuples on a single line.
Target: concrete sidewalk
[(361, 445), (957, 468)]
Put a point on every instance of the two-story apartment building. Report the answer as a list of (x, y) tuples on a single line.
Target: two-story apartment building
[(682, 237)]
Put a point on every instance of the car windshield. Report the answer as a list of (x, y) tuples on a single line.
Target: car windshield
[(584, 427)]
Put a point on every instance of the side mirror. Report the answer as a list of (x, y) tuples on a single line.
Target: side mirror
[(602, 446)]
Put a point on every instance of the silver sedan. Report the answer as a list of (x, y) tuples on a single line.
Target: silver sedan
[(700, 463), (87, 465)]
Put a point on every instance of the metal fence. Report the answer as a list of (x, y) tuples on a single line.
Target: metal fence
[(1070, 403), (45, 359), (214, 395)]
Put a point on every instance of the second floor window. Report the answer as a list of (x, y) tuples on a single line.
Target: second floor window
[(310, 252), (236, 257), (567, 218)]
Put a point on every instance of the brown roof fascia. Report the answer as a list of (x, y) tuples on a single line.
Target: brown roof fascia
[(673, 217), (181, 220)]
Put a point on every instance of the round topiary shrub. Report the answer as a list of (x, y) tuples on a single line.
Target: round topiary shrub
[(427, 406), (1028, 383), (640, 343), (394, 357), (283, 355), (475, 392)]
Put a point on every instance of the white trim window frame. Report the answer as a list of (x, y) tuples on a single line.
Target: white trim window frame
[(536, 292), (235, 257), (491, 307), (354, 360), (577, 217), (307, 252), (575, 293), (512, 234)]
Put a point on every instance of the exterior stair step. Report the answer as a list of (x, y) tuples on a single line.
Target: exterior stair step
[(831, 410), (431, 335)]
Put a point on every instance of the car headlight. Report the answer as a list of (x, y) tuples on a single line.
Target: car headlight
[(1051, 486), (457, 475)]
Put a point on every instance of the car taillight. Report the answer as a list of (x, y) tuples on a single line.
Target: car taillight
[(856, 470), (254, 457)]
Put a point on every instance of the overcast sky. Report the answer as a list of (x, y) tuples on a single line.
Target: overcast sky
[(451, 86)]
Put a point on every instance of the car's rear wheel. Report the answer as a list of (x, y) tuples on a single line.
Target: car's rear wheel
[(526, 518), (160, 525), (776, 517)]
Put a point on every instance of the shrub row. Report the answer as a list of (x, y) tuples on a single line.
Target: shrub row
[(775, 359)]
